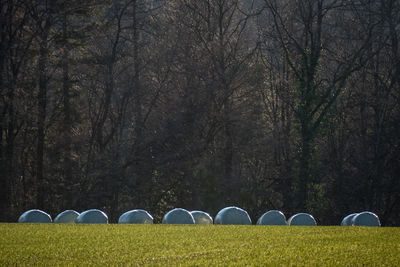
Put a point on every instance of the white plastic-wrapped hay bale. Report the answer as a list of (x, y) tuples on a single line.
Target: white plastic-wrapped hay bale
[(92, 216), (34, 216), (201, 217), (302, 219), (347, 221), (272, 217), (67, 216), (232, 215), (366, 218), (178, 216), (137, 216)]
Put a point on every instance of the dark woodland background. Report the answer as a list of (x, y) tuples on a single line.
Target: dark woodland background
[(267, 104)]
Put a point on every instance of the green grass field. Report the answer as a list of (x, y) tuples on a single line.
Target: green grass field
[(172, 245)]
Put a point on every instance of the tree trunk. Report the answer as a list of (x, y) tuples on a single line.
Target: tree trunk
[(67, 110), (304, 168), (42, 102), (8, 158), (137, 89), (139, 155), (4, 192)]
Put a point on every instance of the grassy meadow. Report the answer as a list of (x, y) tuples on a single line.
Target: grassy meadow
[(188, 245)]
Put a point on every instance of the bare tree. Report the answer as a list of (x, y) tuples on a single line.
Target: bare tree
[(321, 52)]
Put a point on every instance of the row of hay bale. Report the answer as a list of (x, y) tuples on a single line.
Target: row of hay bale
[(226, 216), (68, 216), (365, 218)]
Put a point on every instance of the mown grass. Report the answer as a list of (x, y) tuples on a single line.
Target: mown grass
[(111, 245)]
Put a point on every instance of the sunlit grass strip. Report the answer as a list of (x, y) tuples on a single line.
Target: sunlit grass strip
[(52, 244)]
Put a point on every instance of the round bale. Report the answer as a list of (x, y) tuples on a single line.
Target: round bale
[(92, 216), (302, 219), (67, 216), (201, 217), (136, 217), (366, 218), (178, 216), (272, 217), (232, 215), (347, 221), (34, 216)]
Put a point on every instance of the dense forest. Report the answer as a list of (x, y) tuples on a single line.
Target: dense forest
[(200, 104)]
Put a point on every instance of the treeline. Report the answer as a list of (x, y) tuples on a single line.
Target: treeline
[(201, 104)]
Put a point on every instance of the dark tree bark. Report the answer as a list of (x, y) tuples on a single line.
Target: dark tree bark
[(67, 122), (41, 106)]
